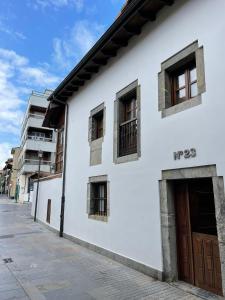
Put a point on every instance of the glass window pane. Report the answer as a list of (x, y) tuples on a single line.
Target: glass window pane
[(194, 90), (181, 94), (193, 75), (181, 80)]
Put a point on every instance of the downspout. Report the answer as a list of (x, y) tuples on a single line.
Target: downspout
[(64, 166)]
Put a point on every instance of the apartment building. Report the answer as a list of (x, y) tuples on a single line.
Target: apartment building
[(144, 166), (34, 139)]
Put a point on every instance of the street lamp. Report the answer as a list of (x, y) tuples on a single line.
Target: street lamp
[(40, 155)]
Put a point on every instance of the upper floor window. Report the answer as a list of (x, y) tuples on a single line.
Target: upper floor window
[(97, 125), (96, 132), (182, 78), (184, 83), (128, 124)]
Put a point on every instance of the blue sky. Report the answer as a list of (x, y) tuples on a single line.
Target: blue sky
[(40, 42)]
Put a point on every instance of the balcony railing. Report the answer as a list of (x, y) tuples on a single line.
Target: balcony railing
[(36, 162), (128, 138), (36, 138), (39, 138)]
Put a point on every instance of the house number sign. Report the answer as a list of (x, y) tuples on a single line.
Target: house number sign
[(187, 153)]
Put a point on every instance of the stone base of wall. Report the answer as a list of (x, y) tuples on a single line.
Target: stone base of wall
[(119, 258)]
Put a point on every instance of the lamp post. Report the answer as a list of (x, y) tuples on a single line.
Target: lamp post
[(40, 155)]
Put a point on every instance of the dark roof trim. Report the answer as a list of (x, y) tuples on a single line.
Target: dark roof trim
[(128, 24)]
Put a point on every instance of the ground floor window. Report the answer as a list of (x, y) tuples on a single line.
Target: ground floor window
[(98, 198)]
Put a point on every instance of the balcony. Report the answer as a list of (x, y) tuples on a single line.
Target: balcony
[(39, 143), (39, 99), (32, 120), (128, 138), (31, 166)]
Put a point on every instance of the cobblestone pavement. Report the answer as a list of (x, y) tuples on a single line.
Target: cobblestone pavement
[(44, 266)]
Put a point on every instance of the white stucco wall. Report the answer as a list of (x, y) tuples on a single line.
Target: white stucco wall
[(48, 189), (133, 229)]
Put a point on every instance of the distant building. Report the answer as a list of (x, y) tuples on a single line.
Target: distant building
[(1, 180), (5, 177), (35, 138), (13, 188)]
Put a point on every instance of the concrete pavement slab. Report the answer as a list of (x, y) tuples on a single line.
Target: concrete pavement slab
[(46, 267)]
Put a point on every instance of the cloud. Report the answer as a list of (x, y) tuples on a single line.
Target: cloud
[(57, 4), (76, 43), (38, 76), (9, 31), (17, 79), (5, 153), (12, 57)]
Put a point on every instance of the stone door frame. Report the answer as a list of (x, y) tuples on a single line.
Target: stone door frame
[(167, 213)]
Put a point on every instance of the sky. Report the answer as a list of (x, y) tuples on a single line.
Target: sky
[(40, 42)]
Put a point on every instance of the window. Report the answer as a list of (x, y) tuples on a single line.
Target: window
[(97, 126), (127, 146), (99, 199), (182, 80), (96, 133), (128, 124), (184, 83)]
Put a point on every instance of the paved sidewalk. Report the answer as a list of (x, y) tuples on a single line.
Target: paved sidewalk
[(46, 267)]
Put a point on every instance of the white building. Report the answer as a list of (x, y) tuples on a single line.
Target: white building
[(35, 138), (145, 164)]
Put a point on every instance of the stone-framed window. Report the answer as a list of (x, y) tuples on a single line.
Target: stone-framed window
[(98, 198), (182, 80), (96, 134), (127, 124)]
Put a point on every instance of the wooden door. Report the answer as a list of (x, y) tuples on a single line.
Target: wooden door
[(48, 218), (207, 266), (184, 239), (197, 241)]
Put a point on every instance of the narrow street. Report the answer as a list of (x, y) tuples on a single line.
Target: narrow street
[(42, 266)]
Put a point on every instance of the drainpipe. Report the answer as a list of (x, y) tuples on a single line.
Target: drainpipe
[(64, 166)]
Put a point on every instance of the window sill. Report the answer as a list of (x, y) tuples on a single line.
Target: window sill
[(126, 158), (98, 141), (98, 218), (182, 106)]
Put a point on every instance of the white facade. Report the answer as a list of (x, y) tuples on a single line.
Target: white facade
[(133, 229), (50, 189)]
